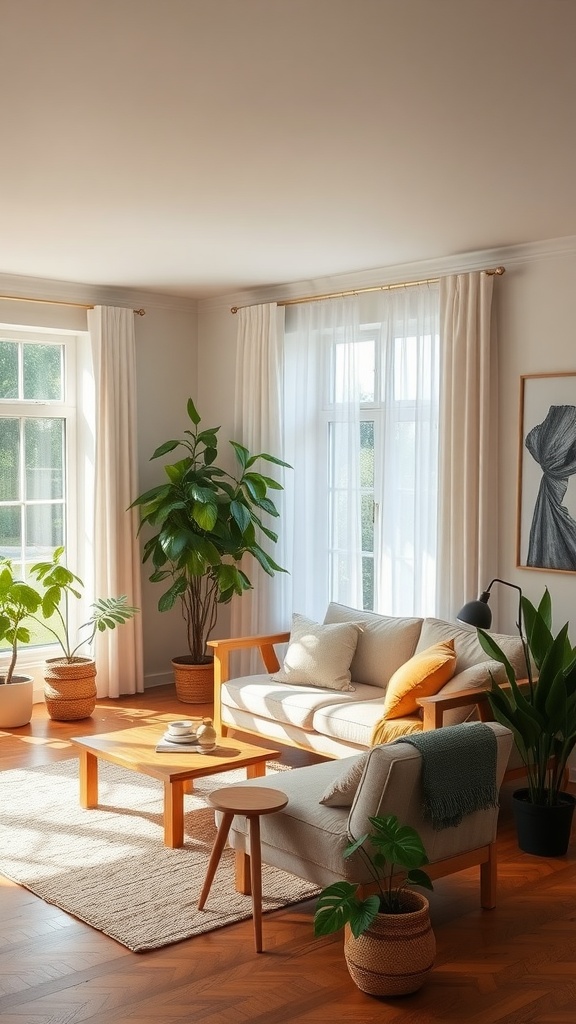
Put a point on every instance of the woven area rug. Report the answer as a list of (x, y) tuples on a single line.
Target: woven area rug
[(109, 867)]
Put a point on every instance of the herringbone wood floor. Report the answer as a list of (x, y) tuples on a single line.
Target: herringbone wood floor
[(513, 965)]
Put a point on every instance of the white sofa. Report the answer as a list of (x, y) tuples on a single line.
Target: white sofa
[(337, 724)]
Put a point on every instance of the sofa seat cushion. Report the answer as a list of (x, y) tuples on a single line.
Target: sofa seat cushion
[(305, 830), (354, 721), (385, 642), (467, 646), (296, 705)]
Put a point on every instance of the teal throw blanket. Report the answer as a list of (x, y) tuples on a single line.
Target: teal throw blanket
[(458, 771)]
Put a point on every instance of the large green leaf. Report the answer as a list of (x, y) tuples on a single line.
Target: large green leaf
[(398, 844), (192, 412), (241, 515), (338, 905)]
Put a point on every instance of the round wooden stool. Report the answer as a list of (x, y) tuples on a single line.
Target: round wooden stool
[(251, 801)]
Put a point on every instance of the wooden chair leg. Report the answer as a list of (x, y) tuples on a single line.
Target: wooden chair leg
[(242, 873), (488, 879), (215, 857)]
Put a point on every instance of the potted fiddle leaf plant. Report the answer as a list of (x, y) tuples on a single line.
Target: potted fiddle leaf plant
[(70, 688), (18, 602), (541, 712), (389, 945), (205, 520)]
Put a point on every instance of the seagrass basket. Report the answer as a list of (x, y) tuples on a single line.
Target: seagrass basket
[(394, 955), (70, 688), (194, 683)]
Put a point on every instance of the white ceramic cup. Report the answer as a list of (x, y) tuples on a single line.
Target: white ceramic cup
[(184, 728)]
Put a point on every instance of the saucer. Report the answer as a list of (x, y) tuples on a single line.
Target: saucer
[(171, 738)]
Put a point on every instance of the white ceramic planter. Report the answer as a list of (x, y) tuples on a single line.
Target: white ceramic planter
[(16, 702)]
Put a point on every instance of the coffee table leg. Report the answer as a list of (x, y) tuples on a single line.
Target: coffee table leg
[(88, 779), (174, 813), (256, 771), (256, 878)]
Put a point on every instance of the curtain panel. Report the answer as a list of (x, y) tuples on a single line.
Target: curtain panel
[(258, 426), (116, 570), (468, 472)]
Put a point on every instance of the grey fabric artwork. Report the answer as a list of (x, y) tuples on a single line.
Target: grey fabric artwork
[(552, 444)]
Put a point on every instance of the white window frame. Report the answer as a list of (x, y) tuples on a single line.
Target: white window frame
[(31, 660)]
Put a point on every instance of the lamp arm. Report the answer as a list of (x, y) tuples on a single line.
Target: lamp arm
[(523, 640)]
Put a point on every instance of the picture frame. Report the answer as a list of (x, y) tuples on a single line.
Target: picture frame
[(546, 502)]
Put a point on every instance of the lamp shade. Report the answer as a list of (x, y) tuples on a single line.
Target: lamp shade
[(477, 613)]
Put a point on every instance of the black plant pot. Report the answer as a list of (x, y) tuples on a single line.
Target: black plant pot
[(543, 830)]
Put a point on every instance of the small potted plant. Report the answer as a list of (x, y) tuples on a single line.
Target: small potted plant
[(18, 602), (542, 715), (389, 945), (70, 688), (205, 520)]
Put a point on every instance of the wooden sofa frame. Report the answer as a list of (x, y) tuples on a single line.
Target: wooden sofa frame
[(433, 708)]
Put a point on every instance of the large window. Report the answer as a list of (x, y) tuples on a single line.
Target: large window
[(397, 371), (361, 431), (37, 437)]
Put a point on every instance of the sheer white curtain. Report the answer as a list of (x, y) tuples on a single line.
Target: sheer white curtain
[(118, 652), (258, 425), (468, 501), (321, 442), (406, 450)]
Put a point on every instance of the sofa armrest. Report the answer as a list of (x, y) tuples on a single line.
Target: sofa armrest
[(434, 707), (222, 649)]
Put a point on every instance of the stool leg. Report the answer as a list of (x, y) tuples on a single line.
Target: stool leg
[(219, 844), (256, 879)]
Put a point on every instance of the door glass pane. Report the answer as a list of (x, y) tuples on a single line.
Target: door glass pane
[(8, 369), (367, 522), (9, 459), (368, 583), (44, 530), (42, 372), (44, 447), (367, 453)]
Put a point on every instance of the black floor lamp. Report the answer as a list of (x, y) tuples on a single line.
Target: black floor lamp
[(478, 613)]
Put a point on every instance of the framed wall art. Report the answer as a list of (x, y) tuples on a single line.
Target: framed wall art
[(546, 532)]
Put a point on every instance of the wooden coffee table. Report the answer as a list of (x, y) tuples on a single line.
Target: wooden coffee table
[(134, 749)]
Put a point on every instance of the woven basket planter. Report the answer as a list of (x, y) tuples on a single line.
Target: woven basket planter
[(194, 682), (70, 688), (394, 955)]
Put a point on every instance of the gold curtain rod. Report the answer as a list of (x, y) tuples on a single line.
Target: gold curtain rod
[(56, 302), (495, 272)]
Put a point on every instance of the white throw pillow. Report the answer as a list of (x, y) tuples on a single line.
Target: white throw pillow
[(319, 655), (342, 790)]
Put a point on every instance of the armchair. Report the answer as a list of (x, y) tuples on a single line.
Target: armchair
[(307, 838)]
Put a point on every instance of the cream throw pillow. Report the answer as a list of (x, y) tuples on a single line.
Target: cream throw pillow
[(342, 790), (422, 676), (319, 655)]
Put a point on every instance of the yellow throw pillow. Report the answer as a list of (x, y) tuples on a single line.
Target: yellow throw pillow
[(421, 676)]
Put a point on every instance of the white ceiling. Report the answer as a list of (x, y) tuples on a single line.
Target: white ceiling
[(201, 147)]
